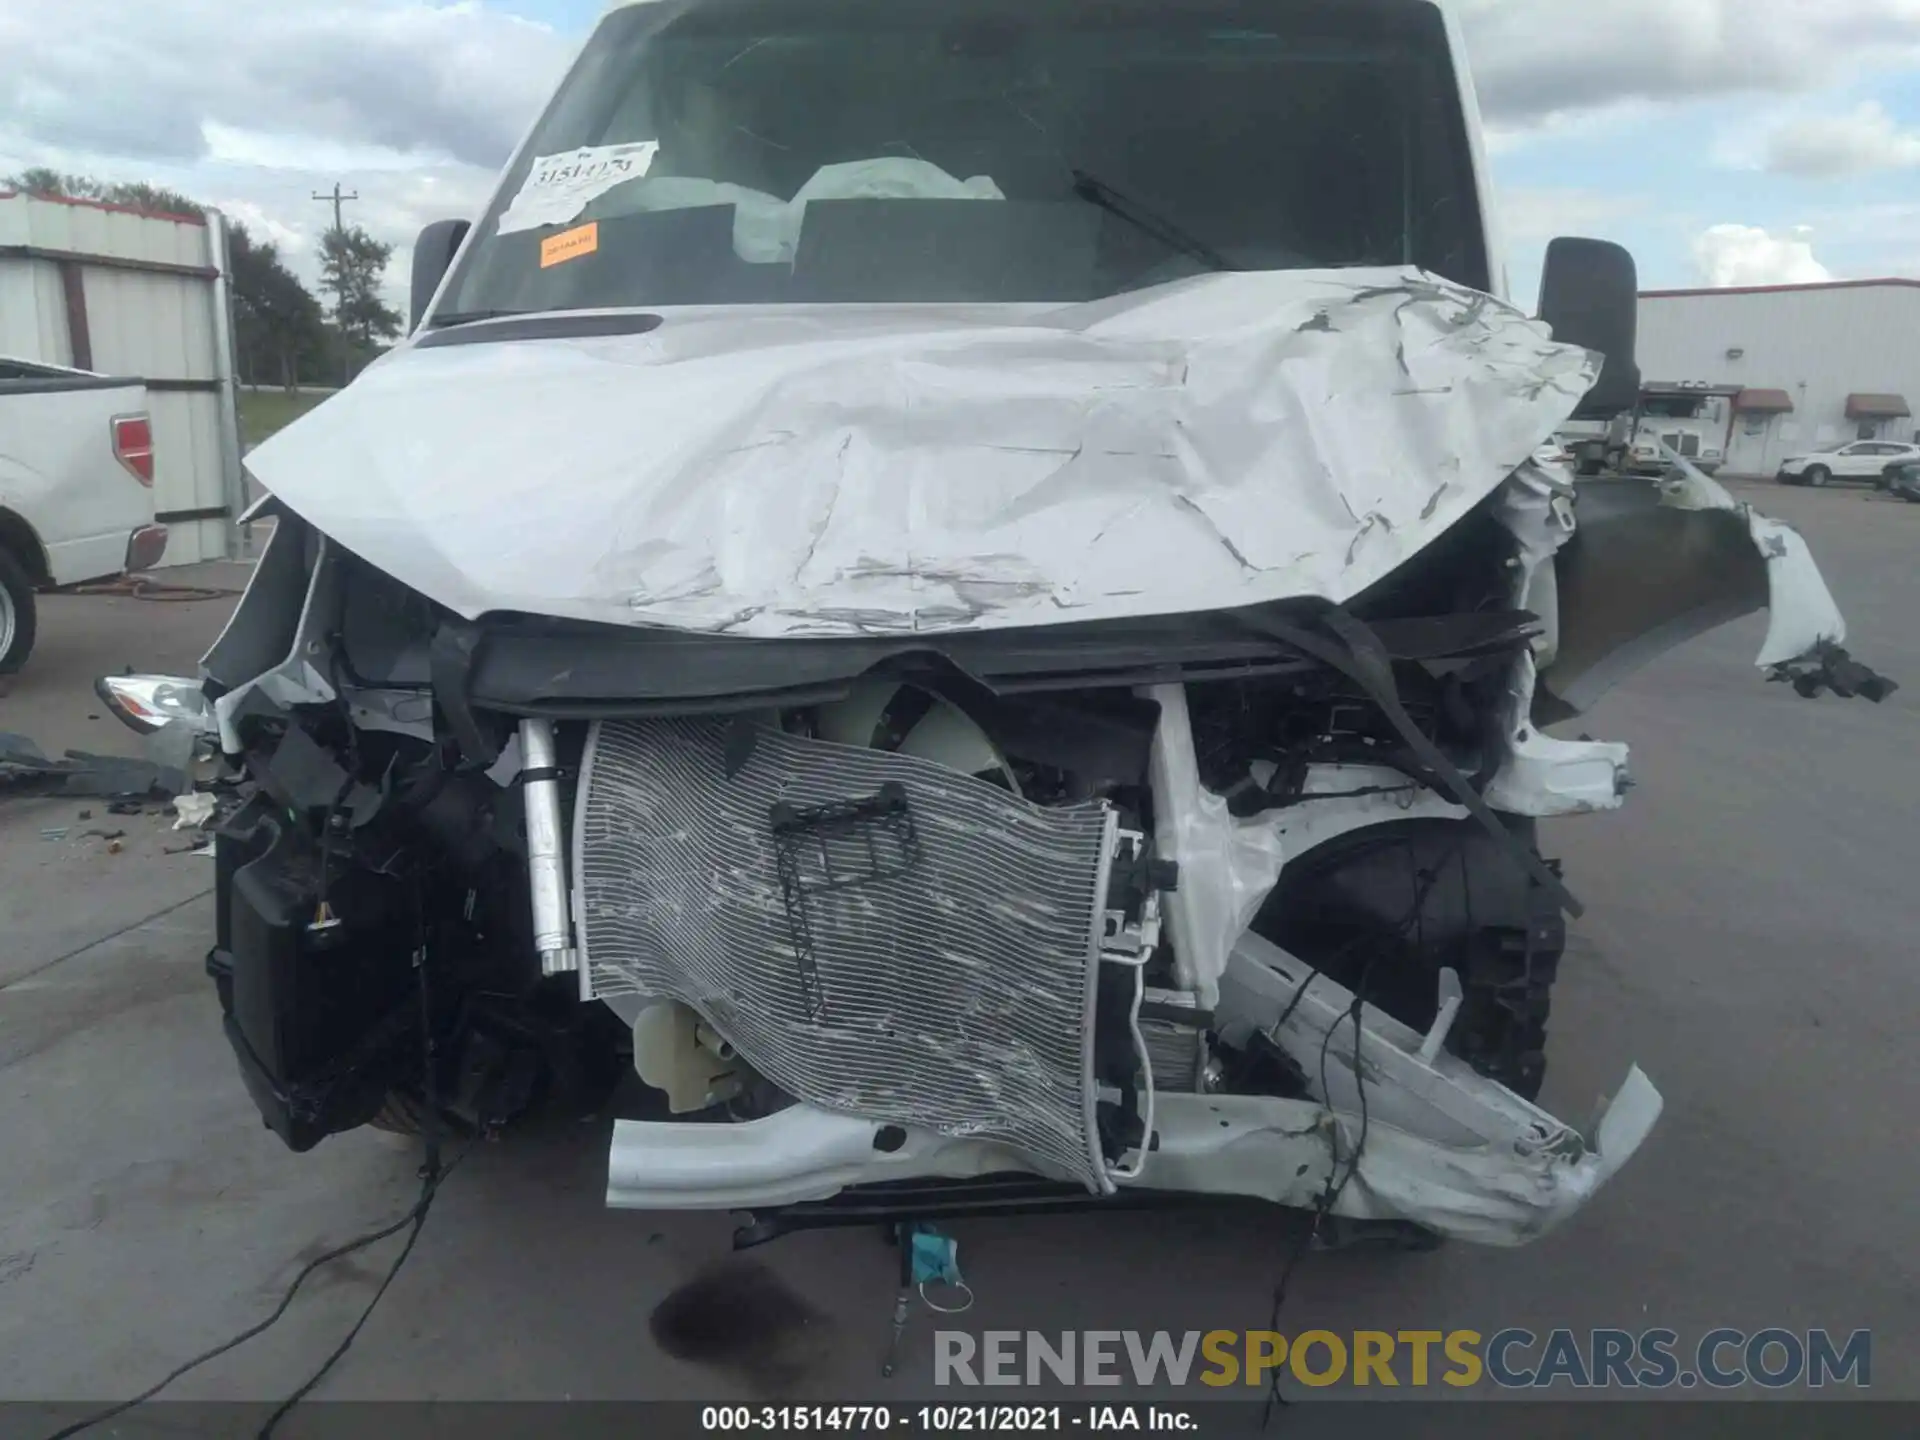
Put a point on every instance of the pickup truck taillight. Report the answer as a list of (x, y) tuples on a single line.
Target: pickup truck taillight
[(133, 446)]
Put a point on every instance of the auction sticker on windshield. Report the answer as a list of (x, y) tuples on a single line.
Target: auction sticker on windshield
[(570, 244), (559, 187)]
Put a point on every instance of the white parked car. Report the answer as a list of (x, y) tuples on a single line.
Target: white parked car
[(1862, 460), (76, 488)]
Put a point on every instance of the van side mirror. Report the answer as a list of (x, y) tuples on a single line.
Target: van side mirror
[(1590, 295), (433, 252)]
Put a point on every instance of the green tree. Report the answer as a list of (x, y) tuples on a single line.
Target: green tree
[(157, 198), (352, 266), (39, 180), (136, 194), (277, 323)]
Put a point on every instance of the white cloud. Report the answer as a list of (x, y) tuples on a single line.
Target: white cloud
[(292, 243), (230, 145), (1536, 58), (1827, 146), (147, 79), (254, 108), (1731, 255)]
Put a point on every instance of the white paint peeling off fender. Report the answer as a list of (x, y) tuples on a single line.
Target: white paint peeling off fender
[(839, 470), (1542, 776)]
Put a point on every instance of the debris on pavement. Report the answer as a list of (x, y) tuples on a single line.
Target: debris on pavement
[(193, 810), (1829, 667), (25, 769), (175, 767)]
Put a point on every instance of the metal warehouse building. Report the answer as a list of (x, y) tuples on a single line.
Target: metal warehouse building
[(1808, 366)]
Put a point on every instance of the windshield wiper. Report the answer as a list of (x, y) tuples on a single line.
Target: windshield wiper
[(1097, 192)]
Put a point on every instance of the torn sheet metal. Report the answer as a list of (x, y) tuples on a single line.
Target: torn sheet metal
[(1229, 866), (1216, 442), (1801, 613), (300, 675), (26, 769), (1653, 563), (1445, 1148), (1541, 775)]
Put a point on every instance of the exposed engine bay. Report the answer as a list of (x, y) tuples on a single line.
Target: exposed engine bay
[(1251, 904), (886, 812)]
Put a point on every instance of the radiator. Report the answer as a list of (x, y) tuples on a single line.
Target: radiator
[(874, 933)]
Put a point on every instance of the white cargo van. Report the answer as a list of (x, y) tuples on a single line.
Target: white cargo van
[(962, 593)]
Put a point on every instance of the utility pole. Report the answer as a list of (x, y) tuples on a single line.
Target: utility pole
[(340, 290), (337, 199)]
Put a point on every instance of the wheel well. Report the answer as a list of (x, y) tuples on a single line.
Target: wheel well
[(18, 539)]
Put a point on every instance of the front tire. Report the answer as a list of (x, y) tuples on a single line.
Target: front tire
[(1818, 476), (18, 617)]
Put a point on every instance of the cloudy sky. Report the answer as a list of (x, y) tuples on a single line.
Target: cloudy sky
[(1726, 141)]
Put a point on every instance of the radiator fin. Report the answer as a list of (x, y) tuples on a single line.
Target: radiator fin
[(954, 993)]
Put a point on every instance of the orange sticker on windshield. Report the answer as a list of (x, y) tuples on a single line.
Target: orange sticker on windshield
[(570, 244)]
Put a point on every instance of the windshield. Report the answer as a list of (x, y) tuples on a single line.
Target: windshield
[(719, 152), (1677, 407)]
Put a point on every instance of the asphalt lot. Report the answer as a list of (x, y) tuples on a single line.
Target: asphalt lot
[(1748, 941)]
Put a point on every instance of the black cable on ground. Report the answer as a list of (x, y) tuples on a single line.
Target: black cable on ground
[(430, 1170), (432, 1177), (413, 1217), (1330, 1194)]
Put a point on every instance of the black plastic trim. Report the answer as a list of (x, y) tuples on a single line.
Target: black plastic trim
[(537, 327)]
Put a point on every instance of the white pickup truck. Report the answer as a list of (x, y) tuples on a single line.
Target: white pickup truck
[(76, 488)]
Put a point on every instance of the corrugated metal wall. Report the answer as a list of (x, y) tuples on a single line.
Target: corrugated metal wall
[(1820, 344), (33, 319), (154, 307)]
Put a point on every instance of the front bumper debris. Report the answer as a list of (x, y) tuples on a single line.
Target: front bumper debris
[(1445, 1149)]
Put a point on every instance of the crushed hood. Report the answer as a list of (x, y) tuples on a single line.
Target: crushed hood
[(1218, 442)]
